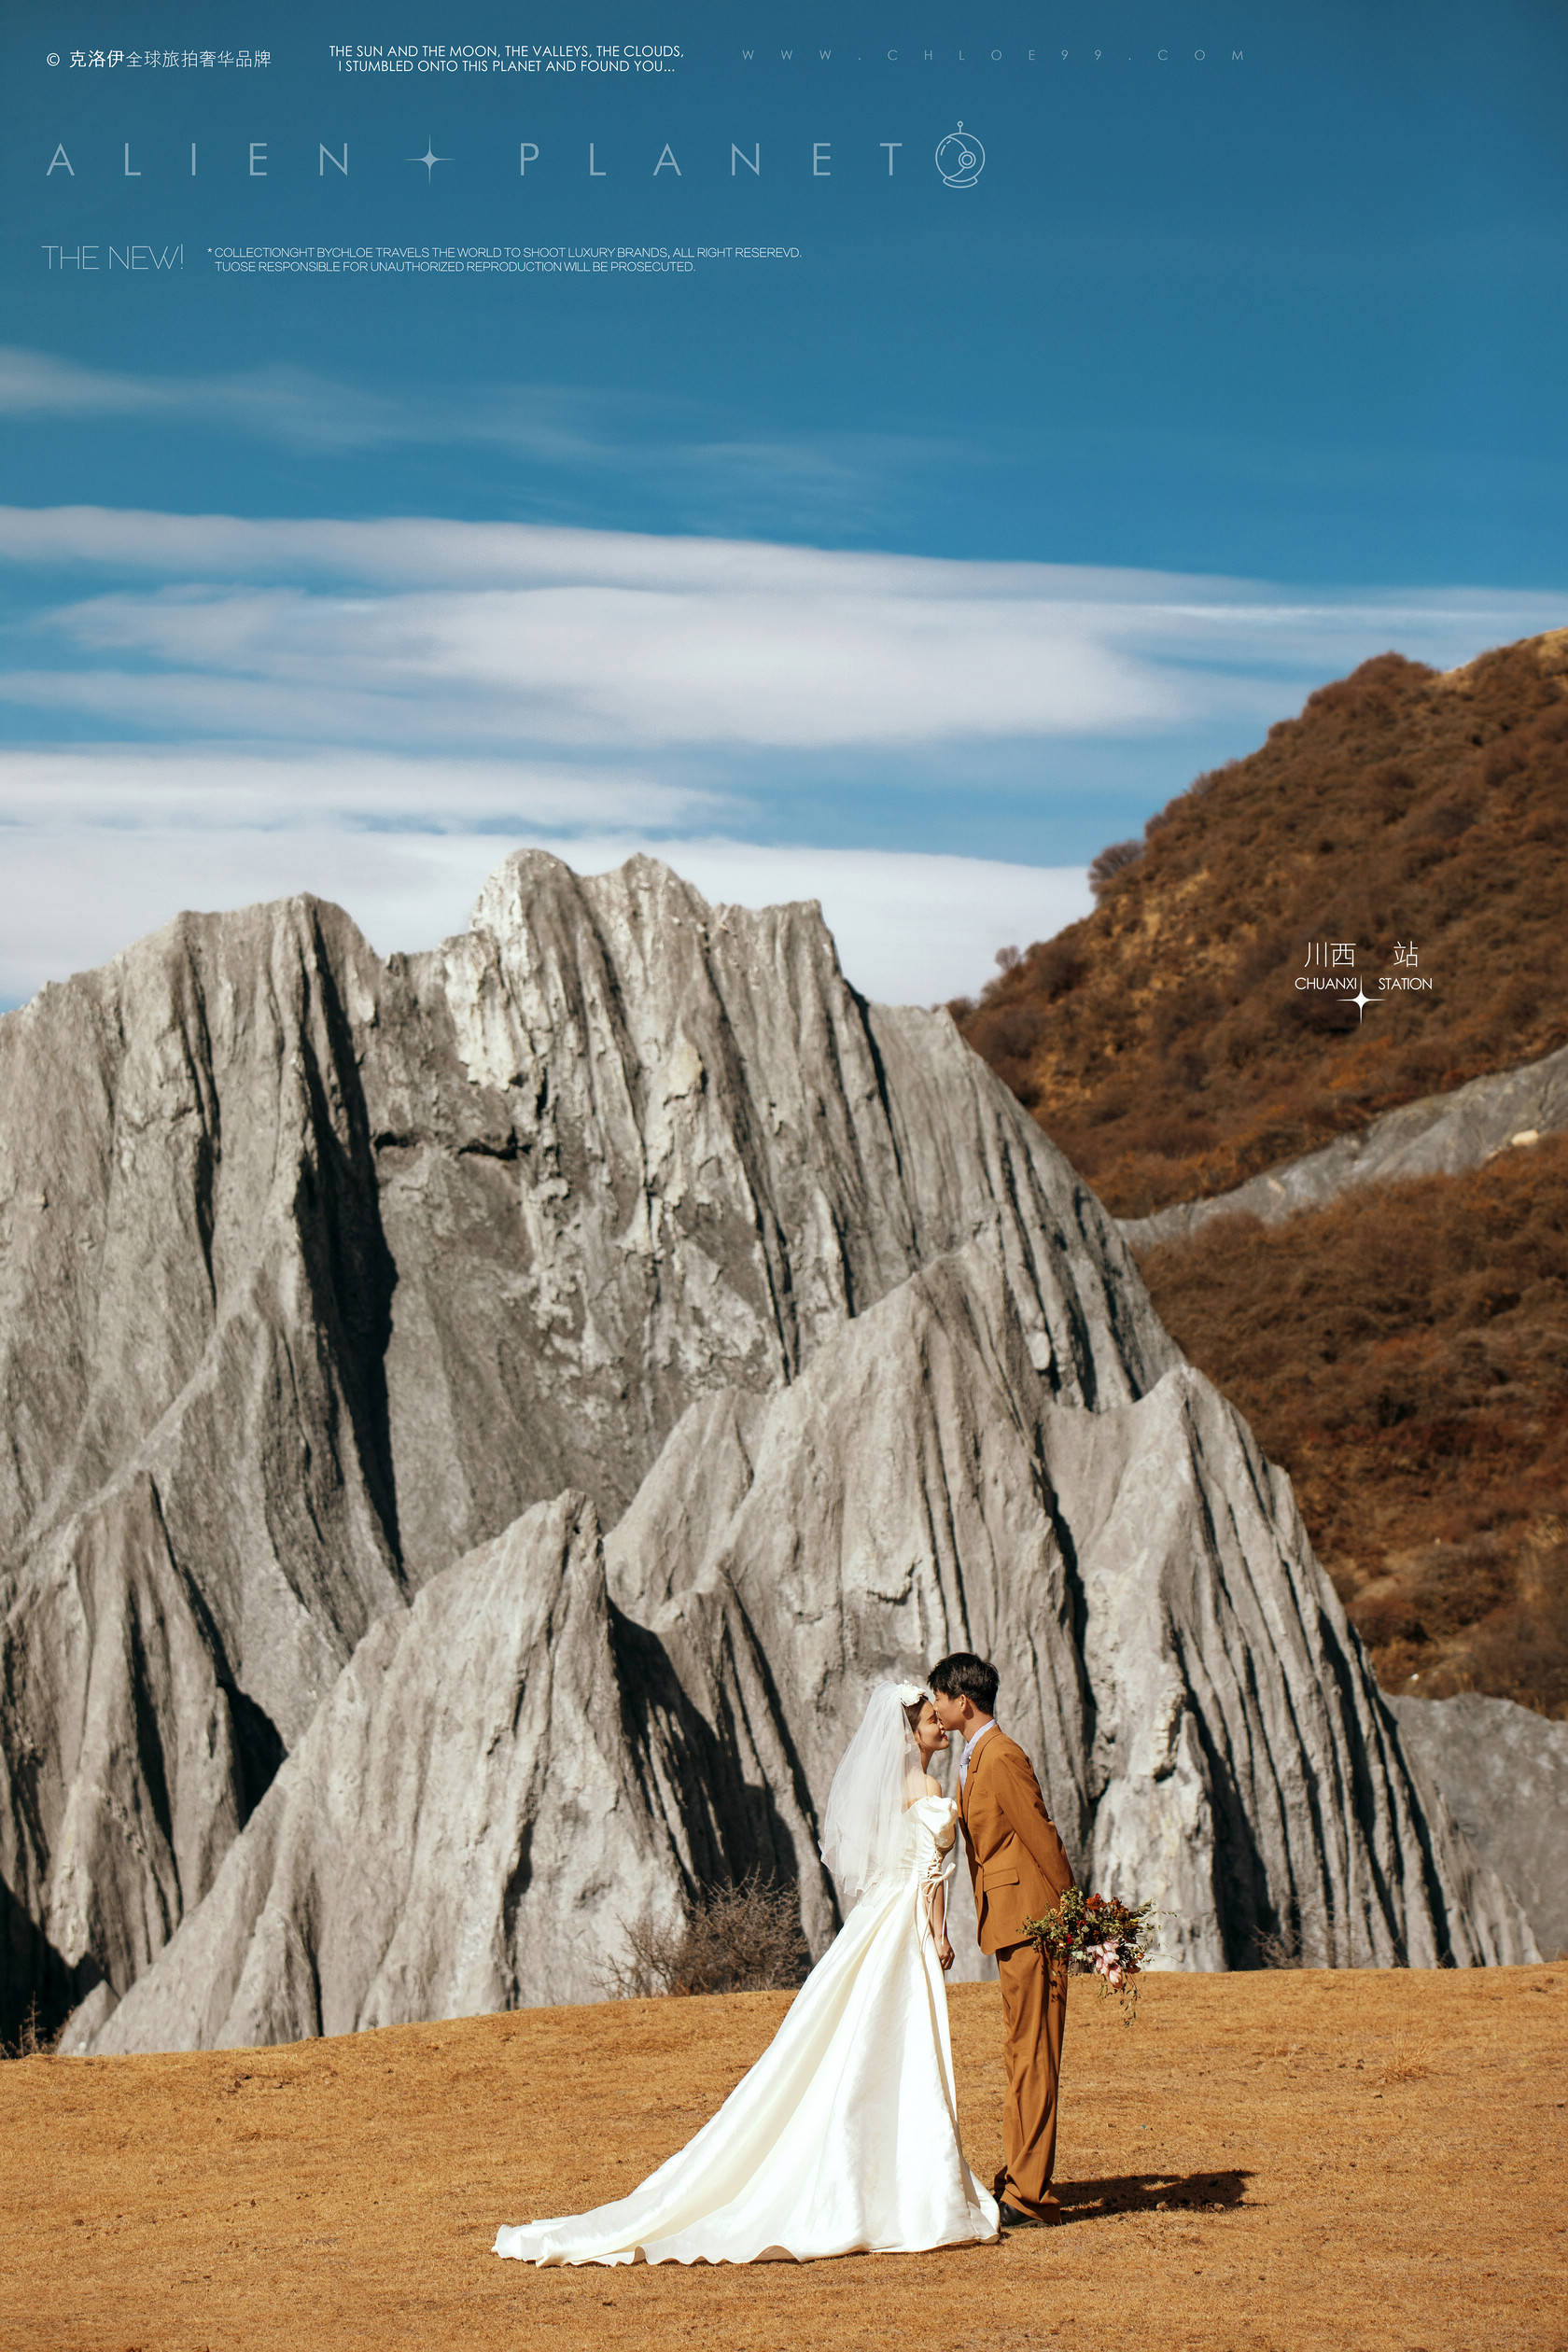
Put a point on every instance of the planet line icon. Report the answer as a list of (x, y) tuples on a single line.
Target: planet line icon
[(961, 158)]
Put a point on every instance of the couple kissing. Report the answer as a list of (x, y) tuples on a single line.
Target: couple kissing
[(843, 2138)]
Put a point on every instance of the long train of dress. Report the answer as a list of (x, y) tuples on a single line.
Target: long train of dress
[(844, 2136)]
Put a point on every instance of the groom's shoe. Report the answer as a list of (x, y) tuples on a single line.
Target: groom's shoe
[(1015, 2217)]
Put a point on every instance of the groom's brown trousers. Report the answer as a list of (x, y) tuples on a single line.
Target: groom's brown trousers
[(1020, 1869), (1033, 2013)]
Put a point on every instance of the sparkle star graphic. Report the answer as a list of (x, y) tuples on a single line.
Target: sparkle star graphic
[(1361, 1001), (429, 159)]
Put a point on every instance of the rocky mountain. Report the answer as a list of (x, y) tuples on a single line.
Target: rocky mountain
[(342, 1301), (1185, 1036), (1395, 1333)]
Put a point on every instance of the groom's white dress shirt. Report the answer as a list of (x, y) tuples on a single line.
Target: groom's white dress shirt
[(969, 1748)]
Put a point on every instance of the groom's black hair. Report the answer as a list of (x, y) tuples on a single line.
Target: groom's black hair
[(965, 1676)]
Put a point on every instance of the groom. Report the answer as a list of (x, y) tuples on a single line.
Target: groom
[(1019, 1870)]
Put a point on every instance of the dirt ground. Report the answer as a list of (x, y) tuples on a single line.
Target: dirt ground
[(1290, 2160)]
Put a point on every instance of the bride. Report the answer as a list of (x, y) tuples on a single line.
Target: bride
[(844, 2138)]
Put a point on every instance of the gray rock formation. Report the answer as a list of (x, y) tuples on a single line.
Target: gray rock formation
[(1503, 1772), (475, 1808), (1207, 1729), (1441, 1135), (318, 1272)]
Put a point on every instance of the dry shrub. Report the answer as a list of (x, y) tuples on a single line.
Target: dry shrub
[(1011, 1030), (1279, 1949), (740, 1938), (1411, 2059), (31, 2040), (1055, 969), (1104, 869)]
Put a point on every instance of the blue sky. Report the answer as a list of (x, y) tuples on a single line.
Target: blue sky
[(905, 572)]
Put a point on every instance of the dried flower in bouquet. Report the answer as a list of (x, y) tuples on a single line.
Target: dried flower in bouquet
[(1095, 1934)]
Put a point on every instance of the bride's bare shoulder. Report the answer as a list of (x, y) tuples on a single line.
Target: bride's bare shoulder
[(934, 1787)]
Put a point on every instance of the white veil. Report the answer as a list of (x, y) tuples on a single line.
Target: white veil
[(880, 1774)]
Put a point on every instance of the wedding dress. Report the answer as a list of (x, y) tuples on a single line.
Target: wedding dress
[(844, 2136)]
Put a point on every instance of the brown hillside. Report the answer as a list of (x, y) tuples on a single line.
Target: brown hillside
[(344, 2193), (1162, 1041), (1404, 1355)]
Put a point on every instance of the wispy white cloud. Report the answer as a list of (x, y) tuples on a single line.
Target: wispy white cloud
[(310, 410), (422, 551), (222, 789), (609, 666), (472, 635), (705, 459)]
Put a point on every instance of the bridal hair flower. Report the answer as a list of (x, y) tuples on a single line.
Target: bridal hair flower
[(909, 1692)]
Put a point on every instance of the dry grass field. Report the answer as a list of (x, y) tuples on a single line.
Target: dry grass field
[(1281, 2160)]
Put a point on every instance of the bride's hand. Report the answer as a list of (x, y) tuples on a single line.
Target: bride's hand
[(945, 1951)]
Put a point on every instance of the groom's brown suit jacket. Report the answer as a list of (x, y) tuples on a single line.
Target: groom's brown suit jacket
[(1020, 1871), (1015, 1858)]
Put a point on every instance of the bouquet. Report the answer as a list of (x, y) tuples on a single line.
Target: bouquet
[(1095, 1934)]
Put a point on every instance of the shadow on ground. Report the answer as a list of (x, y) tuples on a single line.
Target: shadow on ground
[(1153, 2193)]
